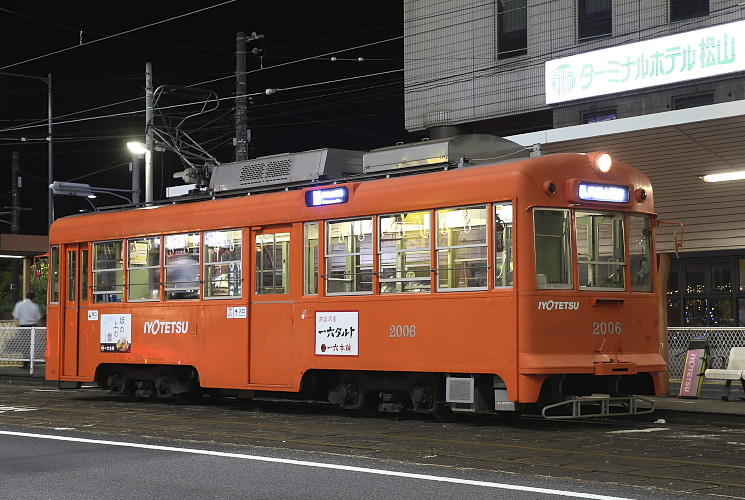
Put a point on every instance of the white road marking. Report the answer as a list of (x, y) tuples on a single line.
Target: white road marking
[(3, 409), (632, 431), (303, 463)]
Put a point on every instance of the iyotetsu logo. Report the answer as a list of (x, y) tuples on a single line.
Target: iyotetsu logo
[(563, 79), (166, 327), (555, 305)]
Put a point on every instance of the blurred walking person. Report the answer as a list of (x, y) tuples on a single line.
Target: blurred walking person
[(26, 314)]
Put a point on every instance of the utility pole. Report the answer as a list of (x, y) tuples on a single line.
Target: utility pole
[(241, 101), (15, 224), (149, 132), (241, 106)]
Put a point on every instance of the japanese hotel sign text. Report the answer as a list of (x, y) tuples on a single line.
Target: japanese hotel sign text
[(670, 59)]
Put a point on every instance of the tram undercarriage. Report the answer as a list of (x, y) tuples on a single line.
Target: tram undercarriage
[(442, 395)]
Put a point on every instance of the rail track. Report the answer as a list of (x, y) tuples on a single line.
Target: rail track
[(706, 460)]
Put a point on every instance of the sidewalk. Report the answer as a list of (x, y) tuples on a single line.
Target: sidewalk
[(706, 409), (14, 374)]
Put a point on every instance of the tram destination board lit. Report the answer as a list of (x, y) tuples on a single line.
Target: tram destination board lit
[(604, 192), (329, 196)]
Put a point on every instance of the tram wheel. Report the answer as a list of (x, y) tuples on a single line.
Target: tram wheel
[(444, 413), (188, 397), (370, 404)]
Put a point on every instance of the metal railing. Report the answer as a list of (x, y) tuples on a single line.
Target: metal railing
[(17, 344), (23, 344), (721, 340)]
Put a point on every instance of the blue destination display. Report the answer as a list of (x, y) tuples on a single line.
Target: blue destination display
[(604, 192), (329, 196)]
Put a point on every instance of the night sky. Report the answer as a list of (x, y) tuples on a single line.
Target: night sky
[(96, 53)]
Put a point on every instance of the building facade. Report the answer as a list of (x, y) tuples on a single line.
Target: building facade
[(658, 84)]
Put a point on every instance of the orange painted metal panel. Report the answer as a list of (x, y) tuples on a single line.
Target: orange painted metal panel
[(506, 332)]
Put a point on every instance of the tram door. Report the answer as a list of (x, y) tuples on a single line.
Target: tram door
[(75, 301), (270, 345)]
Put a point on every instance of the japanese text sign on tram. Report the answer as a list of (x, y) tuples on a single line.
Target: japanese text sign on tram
[(337, 333), (116, 333)]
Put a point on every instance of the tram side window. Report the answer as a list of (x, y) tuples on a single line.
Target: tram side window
[(272, 263), (182, 266), (144, 269), (553, 248), (503, 255), (310, 246), (640, 252), (349, 256), (601, 250), (223, 272), (54, 276), (84, 275), (405, 256), (72, 276), (462, 248), (108, 271)]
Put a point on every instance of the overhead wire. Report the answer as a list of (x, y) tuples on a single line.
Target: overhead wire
[(108, 37)]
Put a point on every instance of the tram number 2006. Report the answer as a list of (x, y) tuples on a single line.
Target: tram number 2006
[(607, 328), (398, 331)]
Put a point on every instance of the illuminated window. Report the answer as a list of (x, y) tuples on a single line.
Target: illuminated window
[(503, 256), (686, 9), (462, 249), (599, 116), (594, 18), (601, 250), (272, 263), (223, 276), (182, 266), (54, 276), (553, 248), (144, 269), (349, 256), (405, 256), (311, 258), (512, 28), (72, 274), (705, 292), (108, 271)]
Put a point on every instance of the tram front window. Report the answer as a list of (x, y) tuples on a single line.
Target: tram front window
[(601, 250), (553, 248)]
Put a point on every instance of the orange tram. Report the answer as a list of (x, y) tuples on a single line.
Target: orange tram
[(448, 276)]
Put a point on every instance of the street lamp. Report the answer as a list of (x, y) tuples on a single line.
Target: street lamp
[(85, 191), (139, 148), (50, 164)]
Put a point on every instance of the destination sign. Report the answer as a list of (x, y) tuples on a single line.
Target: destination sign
[(603, 192), (328, 196)]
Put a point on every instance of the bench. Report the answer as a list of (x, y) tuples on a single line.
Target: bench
[(735, 371)]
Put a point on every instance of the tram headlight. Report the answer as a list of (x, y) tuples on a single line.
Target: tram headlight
[(604, 162)]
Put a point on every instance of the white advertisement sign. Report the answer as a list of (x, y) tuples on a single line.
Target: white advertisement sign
[(670, 59), (337, 333), (116, 333)]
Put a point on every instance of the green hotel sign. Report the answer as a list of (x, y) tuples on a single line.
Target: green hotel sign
[(685, 56)]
